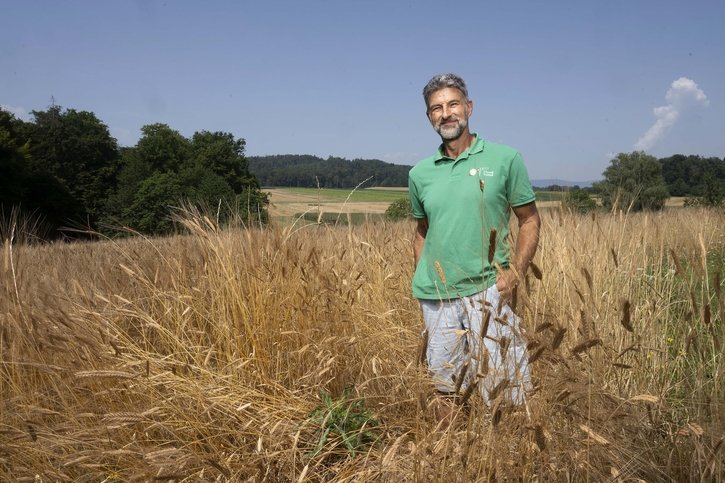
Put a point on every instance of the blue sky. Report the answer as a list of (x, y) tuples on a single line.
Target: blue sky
[(566, 83)]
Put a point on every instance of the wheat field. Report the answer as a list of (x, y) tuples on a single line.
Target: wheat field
[(293, 354)]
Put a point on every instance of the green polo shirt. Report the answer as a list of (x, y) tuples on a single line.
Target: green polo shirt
[(461, 215)]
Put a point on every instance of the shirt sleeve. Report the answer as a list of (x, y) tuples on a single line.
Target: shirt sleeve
[(518, 185)]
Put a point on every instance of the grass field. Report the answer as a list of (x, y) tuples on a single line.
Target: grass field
[(293, 354), (286, 204), (542, 196), (377, 195)]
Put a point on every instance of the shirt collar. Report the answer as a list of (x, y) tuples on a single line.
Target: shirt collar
[(475, 148)]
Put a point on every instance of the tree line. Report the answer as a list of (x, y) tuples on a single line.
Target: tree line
[(677, 175), (65, 169), (638, 181), (692, 175), (306, 171)]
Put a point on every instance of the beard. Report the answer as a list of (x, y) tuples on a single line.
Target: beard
[(448, 133)]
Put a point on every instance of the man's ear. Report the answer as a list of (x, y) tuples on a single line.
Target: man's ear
[(470, 107)]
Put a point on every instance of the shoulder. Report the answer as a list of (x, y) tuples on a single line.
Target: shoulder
[(501, 152), (422, 166)]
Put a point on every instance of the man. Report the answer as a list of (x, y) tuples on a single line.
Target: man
[(462, 198)]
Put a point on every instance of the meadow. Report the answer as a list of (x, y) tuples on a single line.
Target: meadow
[(292, 353), (288, 204), (341, 195)]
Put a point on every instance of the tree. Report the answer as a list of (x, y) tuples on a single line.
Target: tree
[(217, 174), (678, 187), (713, 193), (162, 149), (132, 173), (31, 194), (13, 157), (399, 209), (578, 200), (166, 169), (633, 181), (210, 190), (76, 149), (150, 181), (150, 209), (687, 175), (220, 153)]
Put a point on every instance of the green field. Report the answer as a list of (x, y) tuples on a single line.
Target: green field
[(383, 195), (549, 195), (359, 195)]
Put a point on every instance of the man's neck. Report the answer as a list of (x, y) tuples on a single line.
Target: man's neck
[(454, 147)]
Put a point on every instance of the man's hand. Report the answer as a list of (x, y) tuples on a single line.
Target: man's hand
[(506, 281), (526, 243)]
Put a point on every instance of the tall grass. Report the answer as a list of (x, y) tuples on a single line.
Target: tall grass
[(224, 354)]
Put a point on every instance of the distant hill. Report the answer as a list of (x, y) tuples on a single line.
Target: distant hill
[(306, 171), (543, 183)]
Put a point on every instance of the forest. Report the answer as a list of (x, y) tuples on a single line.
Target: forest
[(690, 175), (306, 171)]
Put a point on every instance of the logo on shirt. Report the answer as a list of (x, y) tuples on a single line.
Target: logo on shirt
[(480, 172)]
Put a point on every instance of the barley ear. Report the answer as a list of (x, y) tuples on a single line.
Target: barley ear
[(626, 315), (491, 245)]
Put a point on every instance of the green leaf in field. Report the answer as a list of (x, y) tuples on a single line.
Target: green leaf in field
[(348, 419)]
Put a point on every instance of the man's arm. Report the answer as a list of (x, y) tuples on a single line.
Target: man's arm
[(526, 243), (421, 229)]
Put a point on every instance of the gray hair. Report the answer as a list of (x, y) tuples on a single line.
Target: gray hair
[(441, 81)]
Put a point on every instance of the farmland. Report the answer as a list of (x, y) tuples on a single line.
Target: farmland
[(285, 203), (291, 353)]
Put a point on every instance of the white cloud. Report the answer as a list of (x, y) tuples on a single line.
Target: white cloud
[(19, 112), (683, 94)]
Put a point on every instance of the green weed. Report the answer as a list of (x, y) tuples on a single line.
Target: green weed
[(345, 418)]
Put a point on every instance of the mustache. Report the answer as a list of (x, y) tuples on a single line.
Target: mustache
[(451, 119)]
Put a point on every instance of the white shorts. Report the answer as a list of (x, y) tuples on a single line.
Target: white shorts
[(454, 335)]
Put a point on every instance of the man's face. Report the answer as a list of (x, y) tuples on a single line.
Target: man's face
[(448, 112)]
